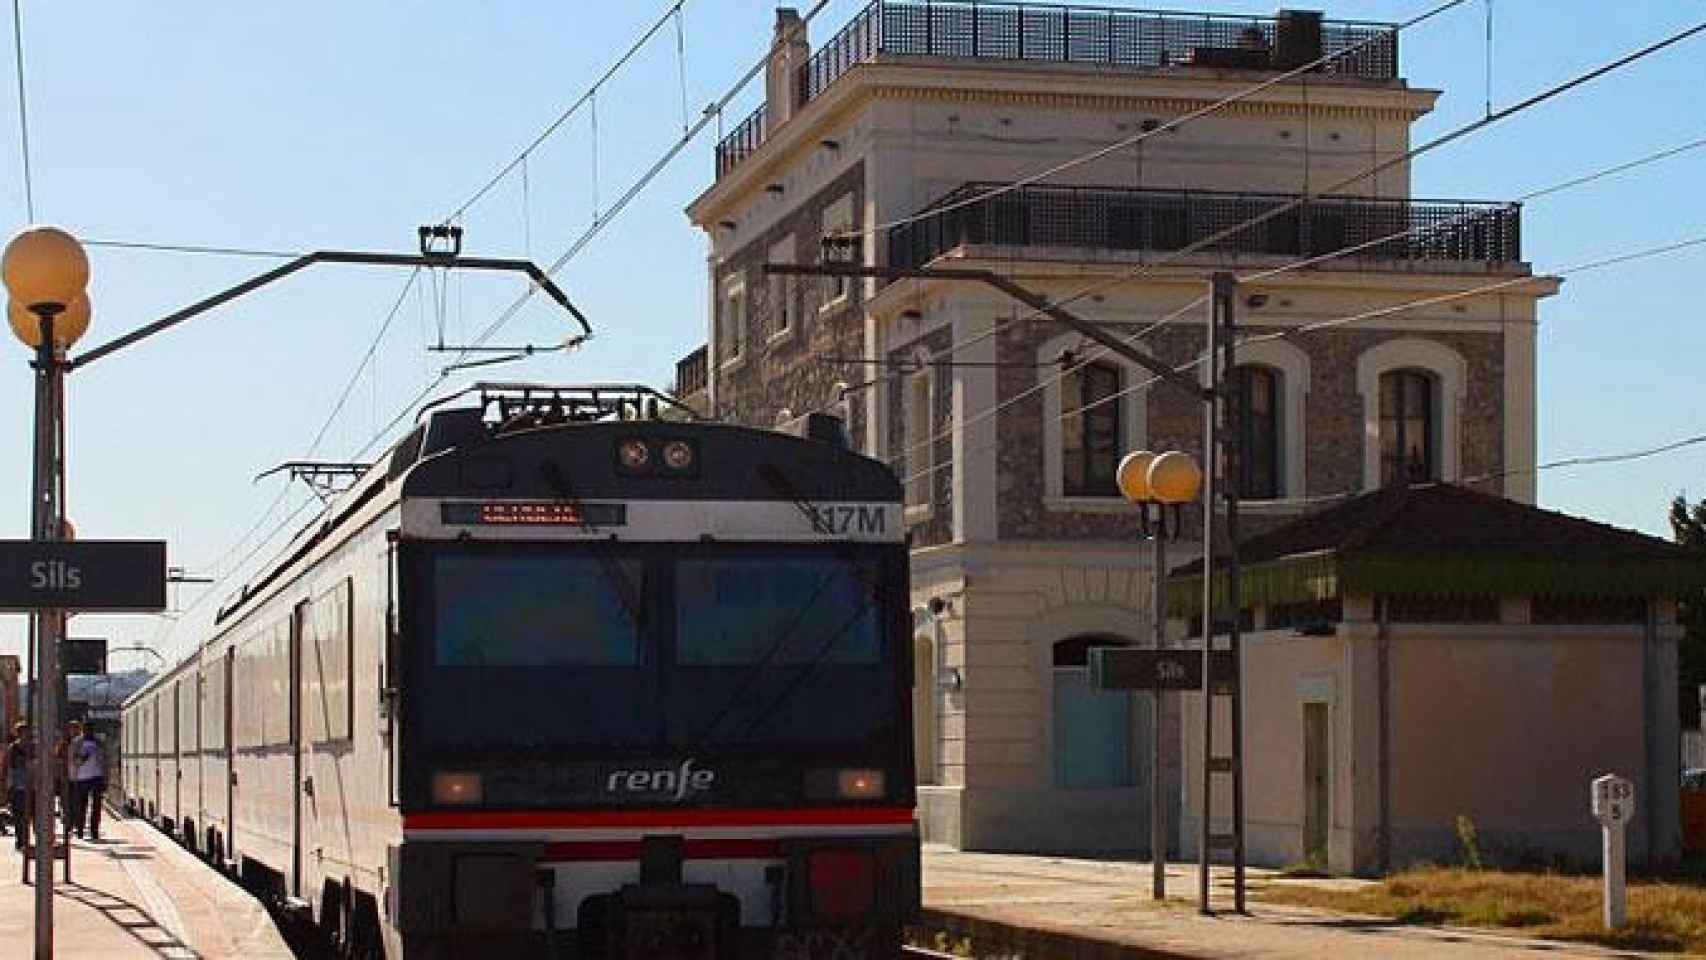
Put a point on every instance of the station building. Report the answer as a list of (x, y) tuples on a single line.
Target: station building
[(1406, 347)]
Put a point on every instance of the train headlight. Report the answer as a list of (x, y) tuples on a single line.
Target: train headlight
[(678, 456), (457, 788), (849, 784), (633, 455), (859, 784)]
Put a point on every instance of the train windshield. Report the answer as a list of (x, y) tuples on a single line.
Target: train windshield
[(686, 644)]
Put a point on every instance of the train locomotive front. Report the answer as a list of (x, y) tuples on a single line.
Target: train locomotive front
[(653, 696)]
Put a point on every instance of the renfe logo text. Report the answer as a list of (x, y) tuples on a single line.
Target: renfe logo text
[(675, 784)]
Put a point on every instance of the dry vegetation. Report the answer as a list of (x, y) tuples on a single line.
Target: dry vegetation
[(1663, 914)]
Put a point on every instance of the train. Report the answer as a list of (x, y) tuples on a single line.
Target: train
[(567, 673)]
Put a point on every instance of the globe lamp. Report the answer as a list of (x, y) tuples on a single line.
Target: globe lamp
[(1132, 476), (44, 268), (1174, 477)]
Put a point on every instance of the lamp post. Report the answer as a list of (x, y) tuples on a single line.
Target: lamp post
[(1168, 479), (45, 271)]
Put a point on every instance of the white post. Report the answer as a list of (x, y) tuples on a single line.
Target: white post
[(1613, 807)]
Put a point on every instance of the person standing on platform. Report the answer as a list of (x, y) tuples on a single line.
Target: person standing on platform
[(19, 767), (88, 765)]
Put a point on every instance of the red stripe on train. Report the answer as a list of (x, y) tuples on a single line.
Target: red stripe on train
[(628, 850), (779, 817)]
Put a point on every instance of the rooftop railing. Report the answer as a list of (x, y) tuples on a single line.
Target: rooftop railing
[(1133, 219), (692, 372), (1049, 33)]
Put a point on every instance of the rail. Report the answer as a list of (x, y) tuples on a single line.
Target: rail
[(1135, 219), (994, 30)]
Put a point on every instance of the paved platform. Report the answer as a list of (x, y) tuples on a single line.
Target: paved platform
[(1044, 908), (135, 894)]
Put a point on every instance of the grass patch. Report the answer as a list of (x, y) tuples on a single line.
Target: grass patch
[(1663, 914)]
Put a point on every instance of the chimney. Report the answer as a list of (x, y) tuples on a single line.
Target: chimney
[(789, 51)]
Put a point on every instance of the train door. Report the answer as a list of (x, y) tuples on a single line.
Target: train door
[(298, 625), (177, 755), (229, 743), (154, 755), (198, 767)]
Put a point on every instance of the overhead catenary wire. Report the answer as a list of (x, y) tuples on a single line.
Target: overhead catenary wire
[(713, 113), (574, 107), (1097, 352), (1176, 122), (1585, 267), (1378, 167), (1374, 170), (23, 109)]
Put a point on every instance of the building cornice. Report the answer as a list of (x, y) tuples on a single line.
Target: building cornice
[(1379, 276), (1052, 87)]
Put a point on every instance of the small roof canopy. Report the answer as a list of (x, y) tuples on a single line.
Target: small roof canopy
[(1441, 539)]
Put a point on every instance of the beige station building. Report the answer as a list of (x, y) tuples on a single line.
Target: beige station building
[(1101, 157)]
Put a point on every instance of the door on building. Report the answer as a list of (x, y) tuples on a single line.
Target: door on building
[(924, 708), (1316, 807), (1093, 729)]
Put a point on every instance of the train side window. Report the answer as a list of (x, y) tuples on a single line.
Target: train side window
[(329, 669)]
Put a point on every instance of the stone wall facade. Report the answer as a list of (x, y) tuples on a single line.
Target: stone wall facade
[(784, 372)]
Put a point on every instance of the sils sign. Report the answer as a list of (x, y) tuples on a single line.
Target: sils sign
[(1125, 668), (110, 576)]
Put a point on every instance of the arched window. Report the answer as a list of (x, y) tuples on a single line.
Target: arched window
[(1091, 440), (1092, 728), (1258, 394), (1407, 427)]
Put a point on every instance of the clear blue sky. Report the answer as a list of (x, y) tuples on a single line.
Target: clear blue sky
[(323, 124)]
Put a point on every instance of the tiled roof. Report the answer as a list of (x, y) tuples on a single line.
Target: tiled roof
[(1440, 538), (1439, 518)]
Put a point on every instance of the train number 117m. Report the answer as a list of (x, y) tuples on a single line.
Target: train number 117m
[(835, 520)]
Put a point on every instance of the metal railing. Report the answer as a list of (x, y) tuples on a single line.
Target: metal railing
[(741, 141), (1121, 218), (692, 372), (1049, 33)]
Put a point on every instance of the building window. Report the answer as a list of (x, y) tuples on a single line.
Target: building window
[(1090, 431), (1407, 427), (919, 457), (838, 221), (732, 331), (1258, 395), (781, 293), (1092, 728)]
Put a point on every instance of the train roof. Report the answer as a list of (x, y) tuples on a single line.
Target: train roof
[(539, 441)]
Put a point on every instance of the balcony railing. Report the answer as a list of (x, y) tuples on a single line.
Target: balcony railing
[(1048, 33), (1131, 219), (692, 373)]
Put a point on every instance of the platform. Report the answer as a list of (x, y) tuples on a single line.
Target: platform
[(1044, 908), (136, 894)]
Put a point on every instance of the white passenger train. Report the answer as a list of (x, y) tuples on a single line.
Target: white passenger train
[(562, 678)]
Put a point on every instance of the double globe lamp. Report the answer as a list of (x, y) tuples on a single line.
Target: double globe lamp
[(1170, 479), (46, 272)]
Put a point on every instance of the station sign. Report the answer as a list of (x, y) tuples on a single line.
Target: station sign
[(108, 576), (1128, 668), (83, 655)]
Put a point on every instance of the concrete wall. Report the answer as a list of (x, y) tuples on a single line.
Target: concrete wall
[(1505, 724), (1008, 607)]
